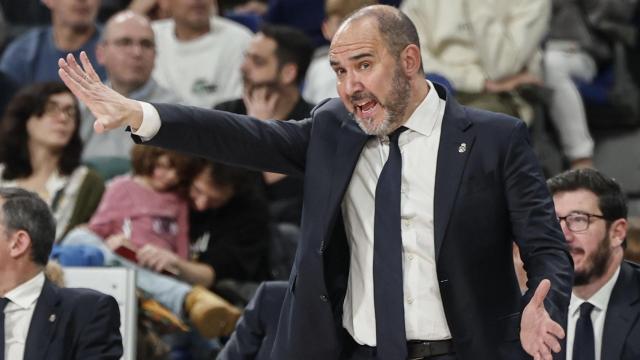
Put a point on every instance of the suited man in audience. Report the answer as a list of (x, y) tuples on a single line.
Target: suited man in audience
[(38, 319), (256, 331), (604, 312)]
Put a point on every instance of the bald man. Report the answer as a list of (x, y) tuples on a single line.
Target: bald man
[(127, 51), (411, 205)]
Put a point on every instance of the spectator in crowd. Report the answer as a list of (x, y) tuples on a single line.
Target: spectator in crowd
[(30, 58), (40, 150), (321, 80), (487, 49), (230, 228), (199, 53), (256, 329), (146, 209), (39, 320), (604, 311), (273, 71), (127, 51), (580, 42), (142, 223)]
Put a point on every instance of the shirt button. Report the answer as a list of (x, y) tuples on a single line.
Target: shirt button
[(410, 257), (409, 300), (324, 298)]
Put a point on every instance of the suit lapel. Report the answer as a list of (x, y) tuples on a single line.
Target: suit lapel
[(623, 308), (351, 140), (43, 323), (455, 146)]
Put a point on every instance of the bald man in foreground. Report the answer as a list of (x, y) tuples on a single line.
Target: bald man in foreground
[(411, 204)]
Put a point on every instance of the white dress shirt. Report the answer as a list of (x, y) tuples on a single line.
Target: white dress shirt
[(18, 314), (424, 312), (423, 309), (600, 301)]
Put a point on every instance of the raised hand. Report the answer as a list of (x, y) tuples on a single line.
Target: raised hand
[(261, 102), (111, 109), (539, 334)]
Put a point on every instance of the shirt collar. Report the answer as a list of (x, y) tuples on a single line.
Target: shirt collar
[(425, 117), (600, 300), (27, 293)]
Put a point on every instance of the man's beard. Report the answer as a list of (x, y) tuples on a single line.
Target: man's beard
[(394, 108), (595, 264), (249, 85)]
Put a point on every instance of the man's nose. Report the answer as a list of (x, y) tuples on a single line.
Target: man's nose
[(352, 84)]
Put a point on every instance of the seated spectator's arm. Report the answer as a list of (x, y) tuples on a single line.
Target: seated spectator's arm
[(159, 259), (505, 46)]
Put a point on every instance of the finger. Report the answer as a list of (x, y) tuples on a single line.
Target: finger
[(88, 68), (555, 329), (545, 352), (79, 74), (73, 85), (541, 292), (537, 356), (67, 72), (552, 343)]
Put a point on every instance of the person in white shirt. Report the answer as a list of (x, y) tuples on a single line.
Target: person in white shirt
[(39, 320), (420, 269), (593, 214), (321, 83), (199, 54)]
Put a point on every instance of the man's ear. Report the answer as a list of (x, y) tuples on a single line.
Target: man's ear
[(288, 73), (411, 60), (100, 55), (618, 232), (19, 244)]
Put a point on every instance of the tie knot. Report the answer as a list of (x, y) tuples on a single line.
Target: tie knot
[(585, 309), (3, 303), (393, 137)]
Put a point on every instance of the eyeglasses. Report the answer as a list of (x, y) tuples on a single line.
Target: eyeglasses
[(577, 222), (126, 42), (53, 108)]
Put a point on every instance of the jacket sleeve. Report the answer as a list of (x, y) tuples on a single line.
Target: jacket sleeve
[(276, 146), (246, 340), (534, 225), (100, 338)]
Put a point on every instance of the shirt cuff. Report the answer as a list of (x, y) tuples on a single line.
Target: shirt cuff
[(150, 122)]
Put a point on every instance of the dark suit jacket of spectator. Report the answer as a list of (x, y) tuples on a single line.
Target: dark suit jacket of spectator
[(256, 330), (74, 324)]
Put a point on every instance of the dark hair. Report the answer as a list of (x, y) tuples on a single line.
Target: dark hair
[(611, 199), (25, 210), (395, 28), (144, 159), (14, 150), (223, 175), (293, 46)]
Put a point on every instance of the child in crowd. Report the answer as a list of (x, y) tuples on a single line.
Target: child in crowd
[(147, 207)]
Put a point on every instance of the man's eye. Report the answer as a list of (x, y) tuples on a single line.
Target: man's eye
[(365, 66)]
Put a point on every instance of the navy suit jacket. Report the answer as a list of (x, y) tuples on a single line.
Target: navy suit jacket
[(74, 324), (621, 335), (256, 331), (488, 192)]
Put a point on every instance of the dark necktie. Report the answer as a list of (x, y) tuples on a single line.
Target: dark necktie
[(3, 303), (584, 347), (391, 342)]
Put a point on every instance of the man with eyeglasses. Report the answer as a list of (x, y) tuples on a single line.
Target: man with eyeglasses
[(604, 312), (127, 51)]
